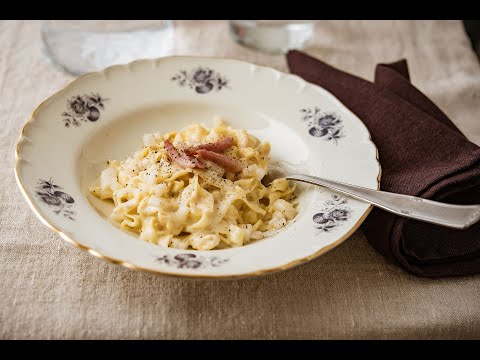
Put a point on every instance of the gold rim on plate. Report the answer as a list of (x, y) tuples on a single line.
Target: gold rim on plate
[(166, 273)]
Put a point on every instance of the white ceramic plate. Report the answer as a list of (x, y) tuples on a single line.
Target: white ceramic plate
[(103, 115)]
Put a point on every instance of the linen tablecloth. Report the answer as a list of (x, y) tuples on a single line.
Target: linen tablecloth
[(51, 290)]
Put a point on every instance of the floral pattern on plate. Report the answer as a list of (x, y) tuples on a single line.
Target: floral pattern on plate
[(202, 79), (191, 261), (40, 141), (335, 212), (51, 195), (325, 125), (83, 108)]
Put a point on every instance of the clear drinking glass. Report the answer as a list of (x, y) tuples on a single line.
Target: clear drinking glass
[(80, 46), (273, 36)]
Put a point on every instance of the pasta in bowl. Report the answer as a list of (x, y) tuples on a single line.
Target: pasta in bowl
[(162, 217), (198, 188)]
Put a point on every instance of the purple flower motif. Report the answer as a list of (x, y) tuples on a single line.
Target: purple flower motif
[(325, 125), (64, 196), (49, 199), (93, 113), (202, 75), (318, 132), (339, 214), (191, 261), (83, 108), (78, 105), (327, 121), (191, 264), (204, 88), (51, 195), (184, 257), (333, 214), (202, 80)]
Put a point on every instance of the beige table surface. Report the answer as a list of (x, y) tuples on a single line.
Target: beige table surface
[(51, 290)]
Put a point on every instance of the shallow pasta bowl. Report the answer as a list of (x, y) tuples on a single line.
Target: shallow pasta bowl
[(99, 116)]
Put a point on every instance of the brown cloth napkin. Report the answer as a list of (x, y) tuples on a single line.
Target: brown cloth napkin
[(422, 153)]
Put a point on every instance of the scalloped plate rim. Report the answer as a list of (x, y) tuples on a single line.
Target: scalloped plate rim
[(38, 213)]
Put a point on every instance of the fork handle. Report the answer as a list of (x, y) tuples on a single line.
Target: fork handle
[(453, 216)]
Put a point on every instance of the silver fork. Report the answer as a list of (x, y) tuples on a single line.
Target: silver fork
[(449, 215)]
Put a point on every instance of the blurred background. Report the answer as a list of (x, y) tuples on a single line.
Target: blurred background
[(80, 46), (472, 28)]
